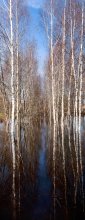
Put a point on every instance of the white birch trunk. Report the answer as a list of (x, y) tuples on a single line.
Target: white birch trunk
[(62, 104), (53, 99), (18, 103), (12, 99), (80, 100), (17, 74)]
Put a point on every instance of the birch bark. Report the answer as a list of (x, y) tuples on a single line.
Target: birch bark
[(12, 98)]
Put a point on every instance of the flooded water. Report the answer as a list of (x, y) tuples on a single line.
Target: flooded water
[(36, 198)]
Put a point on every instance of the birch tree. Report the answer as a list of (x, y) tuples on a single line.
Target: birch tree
[(12, 98)]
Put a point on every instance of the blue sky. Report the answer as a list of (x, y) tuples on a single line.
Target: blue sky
[(36, 32), (35, 3)]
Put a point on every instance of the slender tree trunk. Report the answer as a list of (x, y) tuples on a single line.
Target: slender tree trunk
[(53, 99), (12, 100), (18, 105), (17, 74), (80, 100), (62, 104)]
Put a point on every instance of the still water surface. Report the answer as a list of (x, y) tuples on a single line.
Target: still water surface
[(35, 198)]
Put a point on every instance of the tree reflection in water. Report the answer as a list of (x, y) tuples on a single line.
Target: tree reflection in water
[(34, 175)]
